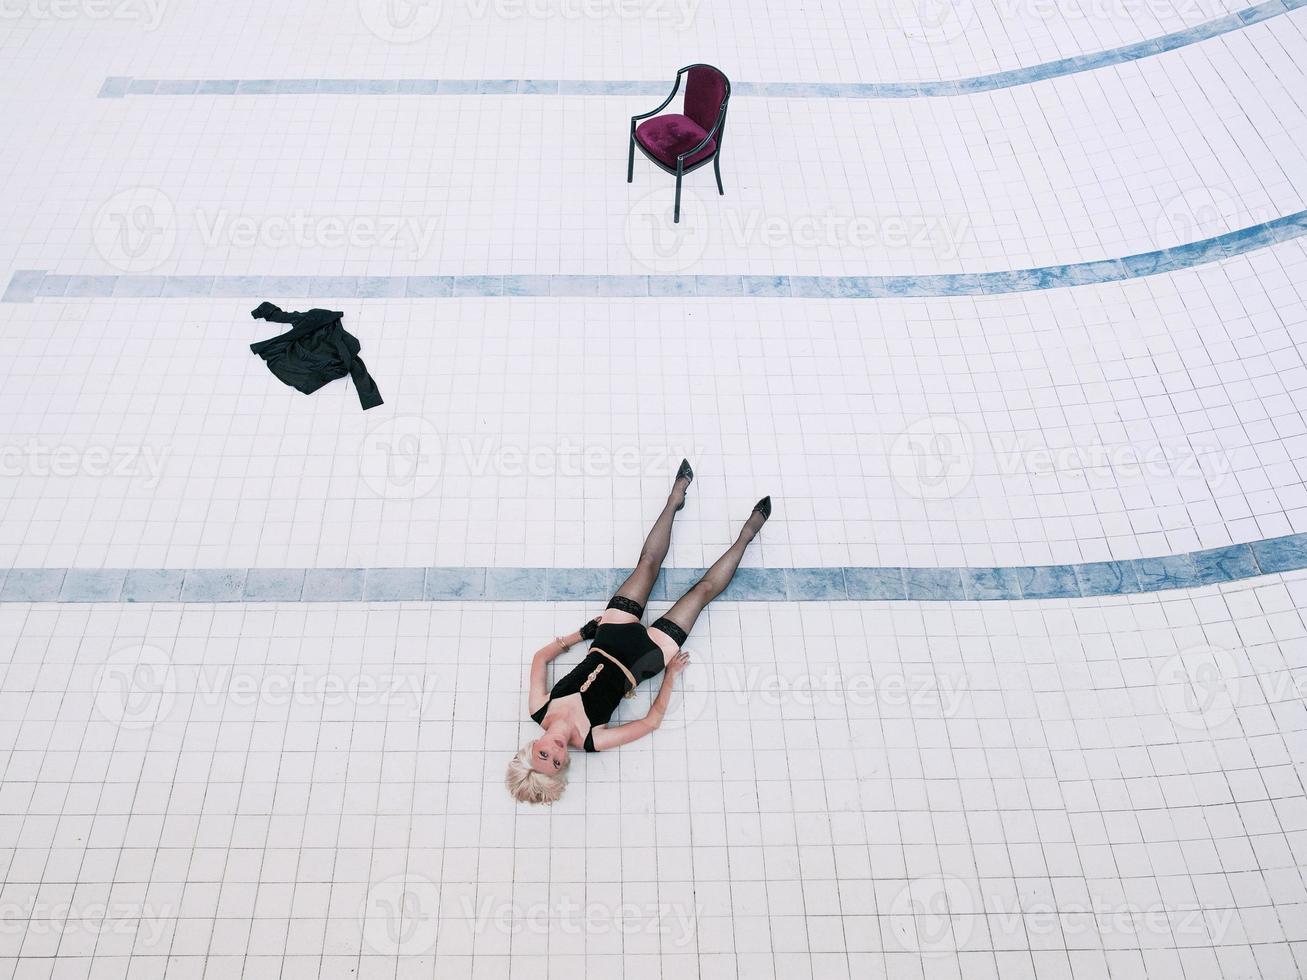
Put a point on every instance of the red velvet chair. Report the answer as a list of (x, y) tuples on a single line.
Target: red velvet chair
[(683, 142)]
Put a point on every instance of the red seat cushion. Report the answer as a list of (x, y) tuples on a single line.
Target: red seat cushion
[(666, 136)]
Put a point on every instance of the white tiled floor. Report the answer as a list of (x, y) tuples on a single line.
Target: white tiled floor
[(1197, 372), (1138, 419), (1088, 790), (772, 40), (1060, 789), (1152, 154)]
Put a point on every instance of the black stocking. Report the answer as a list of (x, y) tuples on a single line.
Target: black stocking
[(640, 582), (687, 608)]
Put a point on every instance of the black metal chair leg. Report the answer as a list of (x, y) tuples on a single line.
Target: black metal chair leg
[(630, 157), (717, 169), (676, 215)]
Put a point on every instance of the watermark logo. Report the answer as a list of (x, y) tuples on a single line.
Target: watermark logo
[(934, 21), (933, 458), (294, 685), (405, 458), (146, 13), (399, 915), (940, 915), (933, 915), (400, 21), (135, 688), (1200, 213), (1196, 214), (660, 244), (136, 229), (1199, 688), (402, 458)]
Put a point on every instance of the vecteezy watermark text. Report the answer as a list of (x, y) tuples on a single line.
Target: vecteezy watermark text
[(36, 458), (939, 234), (409, 21), (940, 915), (405, 458), (934, 692), (662, 244), (670, 920), (935, 458), (679, 13), (834, 687), (137, 230), (147, 13), (146, 923), (139, 687), (946, 21), (1127, 461), (409, 235)]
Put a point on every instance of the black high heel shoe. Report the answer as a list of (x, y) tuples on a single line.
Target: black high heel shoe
[(683, 472), (763, 507)]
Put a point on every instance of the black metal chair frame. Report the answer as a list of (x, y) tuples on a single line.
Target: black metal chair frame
[(680, 170)]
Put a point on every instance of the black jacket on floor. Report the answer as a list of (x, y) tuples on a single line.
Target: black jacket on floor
[(315, 351)]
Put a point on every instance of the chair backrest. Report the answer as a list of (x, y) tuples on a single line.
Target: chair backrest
[(706, 89)]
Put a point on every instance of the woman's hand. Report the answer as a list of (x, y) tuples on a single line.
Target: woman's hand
[(678, 663), (680, 660)]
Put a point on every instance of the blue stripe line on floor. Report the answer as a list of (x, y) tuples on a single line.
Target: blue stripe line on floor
[(119, 86), (27, 285), (1106, 578)]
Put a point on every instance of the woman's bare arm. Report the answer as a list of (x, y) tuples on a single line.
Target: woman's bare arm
[(609, 738), (538, 689)]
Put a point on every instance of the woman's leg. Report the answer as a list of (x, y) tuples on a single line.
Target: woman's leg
[(680, 618), (635, 590)]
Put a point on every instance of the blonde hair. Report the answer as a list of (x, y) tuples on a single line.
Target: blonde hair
[(529, 786)]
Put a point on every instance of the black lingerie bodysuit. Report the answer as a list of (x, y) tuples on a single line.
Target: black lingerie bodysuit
[(599, 681)]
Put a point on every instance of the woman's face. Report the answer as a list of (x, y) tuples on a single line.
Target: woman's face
[(549, 754)]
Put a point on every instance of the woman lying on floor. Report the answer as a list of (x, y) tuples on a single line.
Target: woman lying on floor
[(575, 713)]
